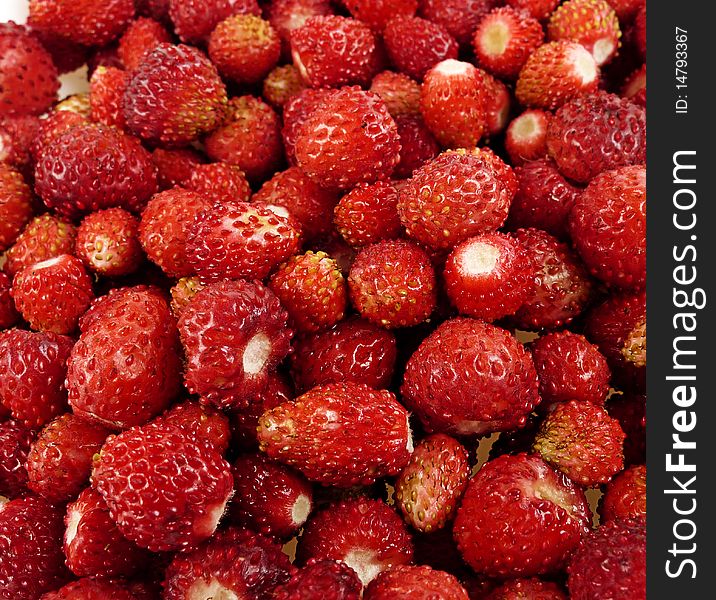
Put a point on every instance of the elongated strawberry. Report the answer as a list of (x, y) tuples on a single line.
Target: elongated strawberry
[(421, 583), (108, 242)]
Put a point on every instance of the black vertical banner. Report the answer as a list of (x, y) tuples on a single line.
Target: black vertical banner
[(681, 408)]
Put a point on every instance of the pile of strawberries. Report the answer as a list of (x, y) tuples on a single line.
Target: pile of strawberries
[(267, 287)]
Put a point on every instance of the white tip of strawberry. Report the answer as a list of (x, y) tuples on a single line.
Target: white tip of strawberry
[(301, 509), (210, 589), (494, 38), (73, 520), (603, 50), (409, 445), (365, 563), (256, 353), (583, 64), (480, 258), (528, 126), (453, 68), (206, 526)]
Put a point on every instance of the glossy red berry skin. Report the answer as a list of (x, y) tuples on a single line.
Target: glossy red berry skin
[(419, 582), (533, 588), (459, 17), (91, 589), (141, 37), (219, 182), (321, 579), (44, 237), (193, 21), (107, 85), (625, 495), (296, 112), (201, 423), (417, 145), (15, 205), (174, 167), (108, 242), (15, 442), (368, 214)]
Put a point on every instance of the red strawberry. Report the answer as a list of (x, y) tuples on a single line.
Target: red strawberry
[(610, 563), (416, 45), (459, 17), (615, 135), (15, 442), (141, 37), (625, 495), (174, 167), (340, 434), (236, 562), (91, 167), (44, 237), (469, 377), (417, 145), (430, 487), (90, 589), (367, 535), (200, 423), (626, 9), (250, 138), (295, 113), (31, 561), (526, 136), (498, 103), (351, 138), (392, 284), (630, 411), (15, 205), (368, 214), (85, 22), (489, 276), (182, 292), (324, 63), (54, 125), (555, 73), (353, 351), (538, 9), (607, 225), (108, 242), (543, 200), (532, 589), (504, 40), (583, 441), (60, 461), (570, 368), (377, 13), (282, 84), (165, 227), (194, 20), (400, 93), (321, 579), (164, 491), (53, 294), (219, 182), (8, 313), (563, 288), (17, 134), (131, 327), (107, 86), (420, 583), (287, 15), (93, 544), (270, 498), (456, 196), (519, 518), (634, 88), (28, 77), (234, 333)]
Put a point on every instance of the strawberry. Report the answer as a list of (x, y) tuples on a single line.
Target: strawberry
[(15, 442), (607, 225), (367, 535), (90, 589), (498, 104), (452, 384), (108, 242), (456, 196), (270, 499), (236, 562), (52, 295), (421, 583), (200, 423), (141, 37), (15, 205), (321, 579), (60, 460), (8, 313), (532, 588), (194, 20), (295, 113), (555, 73), (234, 333), (537, 9), (287, 15), (368, 437), (250, 138), (544, 198), (504, 40), (44, 237), (31, 561), (282, 84), (459, 17), (526, 136), (416, 45), (610, 563), (400, 93), (430, 487), (219, 182), (323, 63), (417, 145), (489, 276), (133, 327), (570, 368), (562, 289), (392, 284), (17, 134), (182, 292), (630, 410), (91, 167), (634, 87), (54, 125), (174, 167), (107, 86), (368, 214), (351, 138), (92, 543), (377, 13), (625, 495)]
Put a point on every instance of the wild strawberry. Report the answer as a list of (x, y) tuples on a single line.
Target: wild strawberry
[(504, 40), (634, 87), (459, 17), (419, 582), (17, 134), (15, 443), (91, 167), (351, 138), (90, 589), (400, 93), (295, 113), (31, 561), (282, 84), (416, 45), (615, 135), (234, 333), (200, 422), (240, 240), (570, 368), (563, 288), (526, 136), (377, 13), (250, 138), (532, 588), (53, 126), (108, 242), (610, 562), (537, 9), (544, 198), (15, 205), (607, 225), (28, 78), (625, 495), (107, 86), (85, 22), (235, 562), (194, 20), (555, 73), (174, 167), (287, 15), (368, 214), (44, 237), (451, 383), (141, 37), (417, 145), (182, 292), (270, 499), (456, 196), (367, 535), (132, 327), (321, 579), (368, 437), (219, 182), (630, 410), (323, 63), (498, 103)]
